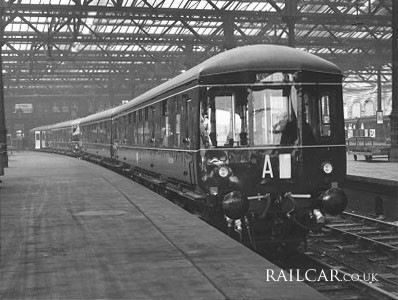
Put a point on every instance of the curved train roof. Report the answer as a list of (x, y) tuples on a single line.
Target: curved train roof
[(40, 128), (264, 58), (102, 115), (240, 59), (60, 125)]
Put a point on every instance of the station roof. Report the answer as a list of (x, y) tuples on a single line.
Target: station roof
[(67, 47)]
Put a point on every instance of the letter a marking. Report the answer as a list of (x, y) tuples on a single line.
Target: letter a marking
[(267, 169)]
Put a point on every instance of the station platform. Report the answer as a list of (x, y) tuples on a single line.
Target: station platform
[(372, 188), (74, 230), (378, 168)]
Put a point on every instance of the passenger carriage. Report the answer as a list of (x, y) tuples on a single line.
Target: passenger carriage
[(258, 130), (96, 133), (61, 137)]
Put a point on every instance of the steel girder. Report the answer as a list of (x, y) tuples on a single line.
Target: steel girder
[(99, 44)]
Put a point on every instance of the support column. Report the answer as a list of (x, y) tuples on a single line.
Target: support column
[(379, 112), (290, 18), (189, 61), (292, 37), (111, 93), (394, 112), (229, 40), (3, 130), (132, 86)]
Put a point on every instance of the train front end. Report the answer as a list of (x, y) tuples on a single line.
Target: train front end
[(273, 159)]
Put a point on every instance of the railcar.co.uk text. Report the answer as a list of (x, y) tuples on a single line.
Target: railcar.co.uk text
[(313, 275)]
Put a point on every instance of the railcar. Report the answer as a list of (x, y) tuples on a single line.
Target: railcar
[(63, 137), (253, 136)]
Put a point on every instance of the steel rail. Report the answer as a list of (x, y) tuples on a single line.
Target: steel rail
[(364, 238), (381, 222)]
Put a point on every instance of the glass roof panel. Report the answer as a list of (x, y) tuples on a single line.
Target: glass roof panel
[(111, 36), (173, 3)]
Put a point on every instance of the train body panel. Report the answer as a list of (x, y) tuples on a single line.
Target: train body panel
[(98, 149), (172, 163), (274, 170)]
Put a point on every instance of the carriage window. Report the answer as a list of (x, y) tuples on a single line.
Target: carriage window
[(125, 128), (132, 129), (165, 134), (256, 115), (140, 128), (225, 123), (108, 130), (317, 103), (224, 115), (147, 133), (324, 116), (164, 108), (272, 119), (177, 121)]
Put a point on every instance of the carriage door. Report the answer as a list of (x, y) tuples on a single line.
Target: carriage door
[(43, 136), (114, 141), (37, 139), (189, 138)]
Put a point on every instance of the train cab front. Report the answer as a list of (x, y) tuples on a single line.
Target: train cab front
[(273, 155)]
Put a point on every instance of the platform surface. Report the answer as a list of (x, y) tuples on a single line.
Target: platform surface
[(74, 230), (378, 168)]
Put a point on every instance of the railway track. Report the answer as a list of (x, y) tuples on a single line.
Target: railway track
[(360, 245), (335, 281), (373, 231)]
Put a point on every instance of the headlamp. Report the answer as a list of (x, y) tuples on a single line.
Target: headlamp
[(223, 172), (327, 167)]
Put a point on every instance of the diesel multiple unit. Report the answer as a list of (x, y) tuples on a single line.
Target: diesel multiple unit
[(254, 135)]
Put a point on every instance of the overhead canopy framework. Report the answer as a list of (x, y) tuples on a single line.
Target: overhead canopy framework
[(66, 47)]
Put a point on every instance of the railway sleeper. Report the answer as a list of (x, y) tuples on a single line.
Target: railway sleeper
[(345, 225), (362, 230), (364, 251), (342, 247), (377, 259), (393, 267), (331, 288)]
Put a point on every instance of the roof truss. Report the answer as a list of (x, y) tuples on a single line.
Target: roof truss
[(130, 45)]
